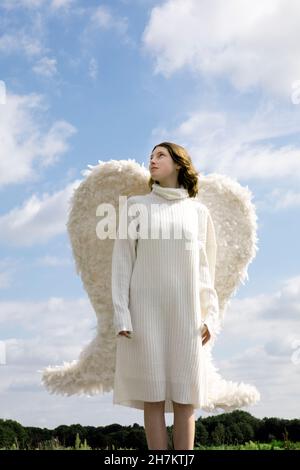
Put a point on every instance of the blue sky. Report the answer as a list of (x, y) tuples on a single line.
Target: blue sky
[(83, 81)]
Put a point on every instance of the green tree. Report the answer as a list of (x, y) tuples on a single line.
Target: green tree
[(7, 436), (237, 436), (218, 435), (201, 435), (14, 433)]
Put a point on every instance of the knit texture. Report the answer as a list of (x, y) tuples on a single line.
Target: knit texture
[(163, 272)]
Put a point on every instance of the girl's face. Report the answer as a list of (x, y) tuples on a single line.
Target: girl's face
[(161, 165)]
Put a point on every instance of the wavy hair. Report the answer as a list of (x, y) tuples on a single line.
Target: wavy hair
[(187, 174)]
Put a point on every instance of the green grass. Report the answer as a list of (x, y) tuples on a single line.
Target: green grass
[(274, 445), (54, 444)]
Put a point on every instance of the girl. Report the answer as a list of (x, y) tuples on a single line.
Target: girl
[(165, 304)]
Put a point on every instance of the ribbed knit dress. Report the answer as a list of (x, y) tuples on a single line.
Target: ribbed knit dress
[(163, 272)]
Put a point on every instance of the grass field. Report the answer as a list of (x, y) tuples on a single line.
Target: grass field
[(274, 445)]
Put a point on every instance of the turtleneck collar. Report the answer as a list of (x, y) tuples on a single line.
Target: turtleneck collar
[(170, 193)]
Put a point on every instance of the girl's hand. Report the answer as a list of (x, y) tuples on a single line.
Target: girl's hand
[(205, 334), (125, 333)]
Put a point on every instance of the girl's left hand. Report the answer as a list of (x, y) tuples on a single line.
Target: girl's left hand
[(205, 334)]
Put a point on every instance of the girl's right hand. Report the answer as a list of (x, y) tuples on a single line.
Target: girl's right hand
[(125, 333)]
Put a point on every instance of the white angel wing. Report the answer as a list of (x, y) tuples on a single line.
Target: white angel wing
[(93, 371), (235, 223)]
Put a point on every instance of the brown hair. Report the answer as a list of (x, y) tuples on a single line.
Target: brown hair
[(187, 174)]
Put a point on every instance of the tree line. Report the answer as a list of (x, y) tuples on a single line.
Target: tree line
[(237, 427)]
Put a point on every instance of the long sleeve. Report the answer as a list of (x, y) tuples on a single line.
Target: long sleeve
[(123, 259), (208, 295)]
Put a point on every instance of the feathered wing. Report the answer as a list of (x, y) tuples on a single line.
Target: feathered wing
[(235, 227), (93, 372), (235, 223)]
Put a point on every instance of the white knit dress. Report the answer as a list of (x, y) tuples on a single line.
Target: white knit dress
[(163, 291)]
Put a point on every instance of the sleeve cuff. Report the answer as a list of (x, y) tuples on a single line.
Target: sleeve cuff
[(122, 328), (122, 320), (213, 325)]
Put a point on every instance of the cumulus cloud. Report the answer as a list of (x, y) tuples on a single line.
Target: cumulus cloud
[(10, 4), (260, 344), (245, 147), (25, 144), (272, 370), (7, 271), (46, 333), (33, 4), (58, 4), (93, 68), (53, 261), (38, 219), (49, 331), (5, 279), (46, 66), (265, 320), (245, 41), (280, 199), (102, 18), (21, 42)]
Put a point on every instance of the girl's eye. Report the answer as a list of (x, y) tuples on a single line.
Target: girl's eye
[(158, 156)]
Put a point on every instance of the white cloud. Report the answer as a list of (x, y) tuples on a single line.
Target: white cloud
[(46, 66), (270, 119), (53, 261), (55, 143), (279, 199), (104, 19), (24, 36), (8, 268), (30, 410), (275, 376), (246, 147), (55, 318), (142, 3), (50, 332), (10, 4), (250, 42), (258, 345), (20, 42), (24, 143), (277, 312), (5, 279), (38, 220), (93, 68), (33, 4), (62, 4), (264, 163)]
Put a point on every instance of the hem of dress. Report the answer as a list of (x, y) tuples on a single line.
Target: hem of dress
[(139, 404)]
